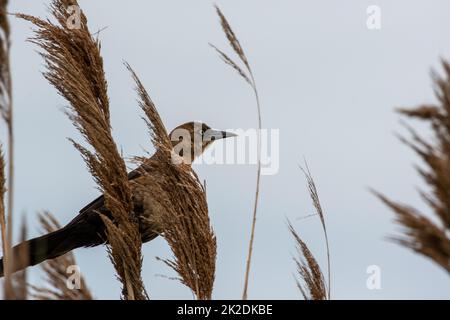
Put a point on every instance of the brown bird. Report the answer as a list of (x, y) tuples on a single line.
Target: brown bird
[(87, 229)]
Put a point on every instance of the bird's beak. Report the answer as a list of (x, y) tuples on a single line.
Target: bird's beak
[(213, 134)]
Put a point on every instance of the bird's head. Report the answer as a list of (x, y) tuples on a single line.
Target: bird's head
[(190, 139)]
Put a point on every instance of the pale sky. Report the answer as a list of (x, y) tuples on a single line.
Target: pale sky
[(327, 83)]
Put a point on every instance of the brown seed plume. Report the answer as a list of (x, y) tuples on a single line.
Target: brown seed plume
[(311, 283), (183, 219), (314, 195), (75, 68)]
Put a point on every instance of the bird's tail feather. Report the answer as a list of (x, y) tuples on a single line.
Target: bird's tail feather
[(49, 246)]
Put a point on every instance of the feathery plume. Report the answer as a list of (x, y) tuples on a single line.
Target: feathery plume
[(318, 207), (311, 283), (75, 68), (183, 218)]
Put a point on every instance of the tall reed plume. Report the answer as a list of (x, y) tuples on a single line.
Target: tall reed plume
[(429, 237), (75, 68), (184, 220), (247, 74), (57, 272), (311, 282), (313, 193)]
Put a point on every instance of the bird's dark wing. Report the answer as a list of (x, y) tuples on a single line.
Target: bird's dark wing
[(99, 202), (89, 224)]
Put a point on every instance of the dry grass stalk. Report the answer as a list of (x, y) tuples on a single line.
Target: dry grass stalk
[(312, 282), (247, 74), (75, 68), (7, 286), (421, 234), (19, 288), (184, 223), (2, 202), (318, 207), (6, 111), (56, 271)]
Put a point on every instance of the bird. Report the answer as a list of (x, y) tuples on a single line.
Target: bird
[(87, 229)]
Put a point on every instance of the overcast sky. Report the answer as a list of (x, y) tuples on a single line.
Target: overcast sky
[(327, 82)]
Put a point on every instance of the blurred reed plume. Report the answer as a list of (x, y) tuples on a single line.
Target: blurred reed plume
[(429, 237), (75, 68), (183, 221), (312, 282), (6, 111), (247, 74), (56, 271)]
